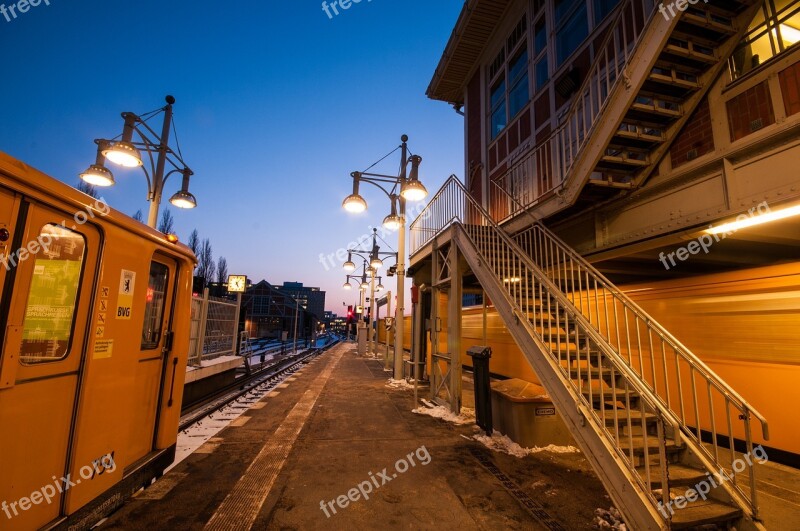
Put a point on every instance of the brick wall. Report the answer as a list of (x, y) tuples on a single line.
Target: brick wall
[(750, 111), (473, 110), (695, 139), (790, 88)]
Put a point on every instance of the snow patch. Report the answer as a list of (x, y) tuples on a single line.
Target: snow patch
[(399, 384), (467, 415), (609, 519), (502, 443)]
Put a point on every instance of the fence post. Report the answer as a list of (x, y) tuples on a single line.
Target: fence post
[(236, 322), (201, 340)]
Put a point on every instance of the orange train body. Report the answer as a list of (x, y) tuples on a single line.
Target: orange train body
[(95, 308)]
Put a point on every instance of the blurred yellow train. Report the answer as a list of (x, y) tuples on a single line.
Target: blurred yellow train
[(95, 311), (744, 325)]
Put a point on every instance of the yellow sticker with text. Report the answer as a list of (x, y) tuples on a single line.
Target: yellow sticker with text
[(103, 348)]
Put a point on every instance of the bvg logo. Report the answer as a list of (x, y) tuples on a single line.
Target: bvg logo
[(123, 312)]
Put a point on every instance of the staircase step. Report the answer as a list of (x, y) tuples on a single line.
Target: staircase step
[(728, 9), (636, 140), (652, 114), (669, 86), (582, 371), (652, 445), (621, 162), (704, 513), (679, 475), (707, 24), (636, 418), (608, 394), (688, 54)]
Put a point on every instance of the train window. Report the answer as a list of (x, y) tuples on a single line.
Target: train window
[(53, 295), (154, 308)]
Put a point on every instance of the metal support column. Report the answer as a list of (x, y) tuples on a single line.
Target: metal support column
[(455, 303)]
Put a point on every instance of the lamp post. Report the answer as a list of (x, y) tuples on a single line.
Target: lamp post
[(373, 257), (410, 189), (127, 152), (363, 285), (296, 316)]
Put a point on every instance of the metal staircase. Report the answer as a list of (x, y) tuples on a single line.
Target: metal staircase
[(648, 76), (635, 399)]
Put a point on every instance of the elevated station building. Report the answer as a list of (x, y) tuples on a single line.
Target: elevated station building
[(629, 219)]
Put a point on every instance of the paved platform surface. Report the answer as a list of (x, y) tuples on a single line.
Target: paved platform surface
[(337, 429)]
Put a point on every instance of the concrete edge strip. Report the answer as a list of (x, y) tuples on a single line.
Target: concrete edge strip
[(241, 506)]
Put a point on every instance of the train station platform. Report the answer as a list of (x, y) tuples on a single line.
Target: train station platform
[(337, 446)]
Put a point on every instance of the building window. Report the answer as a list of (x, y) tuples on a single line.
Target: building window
[(572, 27), (602, 8), (774, 29), (53, 296), (509, 83), (541, 71), (519, 93), (154, 307)]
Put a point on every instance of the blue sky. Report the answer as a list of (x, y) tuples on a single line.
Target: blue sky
[(276, 105)]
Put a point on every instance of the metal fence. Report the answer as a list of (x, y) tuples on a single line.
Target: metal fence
[(213, 328)]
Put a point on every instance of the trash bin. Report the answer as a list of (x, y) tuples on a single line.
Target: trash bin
[(483, 390)]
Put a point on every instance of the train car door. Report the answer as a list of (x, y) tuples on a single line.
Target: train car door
[(51, 268), (158, 306)]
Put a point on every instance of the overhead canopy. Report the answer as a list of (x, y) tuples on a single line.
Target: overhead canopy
[(475, 26)]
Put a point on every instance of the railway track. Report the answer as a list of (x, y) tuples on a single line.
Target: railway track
[(258, 382)]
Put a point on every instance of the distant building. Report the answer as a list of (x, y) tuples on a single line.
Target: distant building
[(311, 299), (270, 312), (334, 323)]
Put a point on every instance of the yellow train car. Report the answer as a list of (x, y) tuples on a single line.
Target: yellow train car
[(744, 325), (95, 313)]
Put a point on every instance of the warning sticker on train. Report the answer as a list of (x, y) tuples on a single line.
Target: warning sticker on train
[(103, 348), (127, 282)]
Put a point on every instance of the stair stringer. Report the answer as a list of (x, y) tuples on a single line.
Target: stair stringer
[(620, 483)]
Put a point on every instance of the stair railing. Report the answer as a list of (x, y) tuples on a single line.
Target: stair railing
[(549, 163), (679, 378), (577, 353)]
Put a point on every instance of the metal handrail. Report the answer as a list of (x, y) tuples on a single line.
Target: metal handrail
[(564, 265), (553, 157), (526, 283)]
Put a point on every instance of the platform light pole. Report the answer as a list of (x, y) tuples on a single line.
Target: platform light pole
[(296, 317), (126, 152), (369, 273), (410, 189), (373, 257)]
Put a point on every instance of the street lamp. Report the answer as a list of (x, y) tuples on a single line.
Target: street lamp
[(372, 262), (410, 189), (349, 266), (361, 282), (127, 153)]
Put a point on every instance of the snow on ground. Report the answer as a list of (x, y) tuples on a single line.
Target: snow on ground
[(198, 434), (501, 443), (467, 415), (191, 439), (609, 519), (399, 384)]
